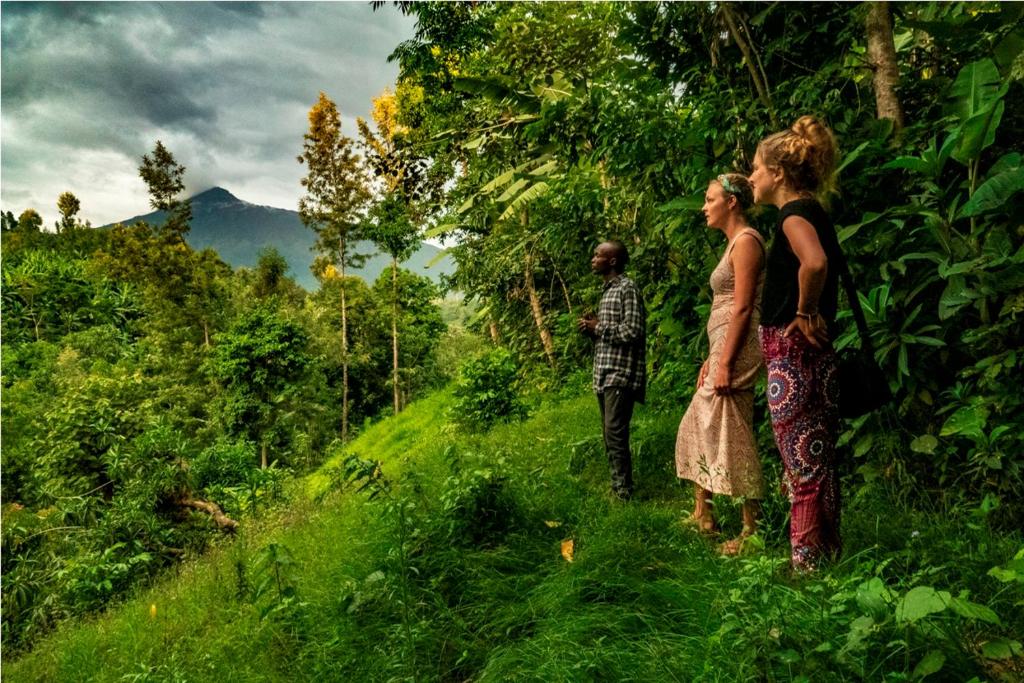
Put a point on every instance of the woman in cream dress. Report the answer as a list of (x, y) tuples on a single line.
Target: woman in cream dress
[(715, 446)]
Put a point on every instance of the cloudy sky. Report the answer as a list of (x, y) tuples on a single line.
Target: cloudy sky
[(88, 88)]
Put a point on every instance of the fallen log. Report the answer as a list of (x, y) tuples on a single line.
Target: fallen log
[(212, 509)]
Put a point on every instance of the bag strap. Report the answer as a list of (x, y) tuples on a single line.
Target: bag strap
[(854, 300)]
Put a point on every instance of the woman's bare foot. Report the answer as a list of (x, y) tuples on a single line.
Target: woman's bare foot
[(735, 546), (704, 524)]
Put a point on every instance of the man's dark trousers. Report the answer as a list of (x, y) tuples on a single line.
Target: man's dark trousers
[(616, 412)]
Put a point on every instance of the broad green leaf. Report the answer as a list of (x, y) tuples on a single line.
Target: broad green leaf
[(545, 169), (955, 296), (860, 629), (995, 193), (1001, 648), (919, 602), (1005, 163), (852, 156), (946, 270), (931, 663), (926, 443), (533, 163), (846, 232), (499, 181), (873, 596), (969, 420), (438, 257), (513, 190), (979, 132), (973, 610), (525, 197), (975, 88), (910, 163), (439, 230)]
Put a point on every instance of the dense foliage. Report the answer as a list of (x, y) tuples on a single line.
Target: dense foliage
[(152, 396), (561, 124)]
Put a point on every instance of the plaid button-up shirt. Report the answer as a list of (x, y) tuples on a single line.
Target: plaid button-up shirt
[(620, 351)]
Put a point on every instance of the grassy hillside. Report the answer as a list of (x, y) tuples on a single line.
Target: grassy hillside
[(458, 569)]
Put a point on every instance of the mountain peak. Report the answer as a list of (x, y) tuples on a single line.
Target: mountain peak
[(215, 195)]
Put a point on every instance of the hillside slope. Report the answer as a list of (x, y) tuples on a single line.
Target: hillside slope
[(461, 568)]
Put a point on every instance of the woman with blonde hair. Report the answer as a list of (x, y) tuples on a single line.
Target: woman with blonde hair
[(715, 446), (797, 324)]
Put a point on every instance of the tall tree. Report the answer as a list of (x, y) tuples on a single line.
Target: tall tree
[(393, 219), (391, 230), (333, 206), (69, 206), (882, 56), (259, 361), (163, 176), (30, 221), (7, 221)]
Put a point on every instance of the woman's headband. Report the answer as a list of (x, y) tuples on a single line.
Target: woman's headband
[(726, 185)]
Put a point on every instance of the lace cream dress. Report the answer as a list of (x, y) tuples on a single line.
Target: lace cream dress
[(715, 446)]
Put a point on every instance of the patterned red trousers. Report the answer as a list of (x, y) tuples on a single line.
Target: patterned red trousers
[(803, 393)]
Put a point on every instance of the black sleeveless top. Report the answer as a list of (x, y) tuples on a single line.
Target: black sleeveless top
[(781, 287)]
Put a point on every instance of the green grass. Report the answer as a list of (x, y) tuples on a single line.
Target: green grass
[(456, 573)]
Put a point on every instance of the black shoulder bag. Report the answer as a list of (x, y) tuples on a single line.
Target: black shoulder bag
[(863, 387)]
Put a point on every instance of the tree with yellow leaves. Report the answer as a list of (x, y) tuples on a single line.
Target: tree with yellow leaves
[(333, 206), (392, 222)]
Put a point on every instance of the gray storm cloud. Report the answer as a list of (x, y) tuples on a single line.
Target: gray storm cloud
[(87, 89)]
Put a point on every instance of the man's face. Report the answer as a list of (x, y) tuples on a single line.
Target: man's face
[(603, 260)]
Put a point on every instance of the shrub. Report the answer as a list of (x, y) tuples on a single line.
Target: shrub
[(485, 392)]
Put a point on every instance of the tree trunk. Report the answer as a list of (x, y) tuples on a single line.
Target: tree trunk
[(758, 75), (394, 331), (605, 186), (882, 55), (263, 456), (206, 334), (538, 313), (493, 328), (344, 351), (565, 290)]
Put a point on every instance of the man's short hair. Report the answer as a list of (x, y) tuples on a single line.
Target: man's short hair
[(620, 252)]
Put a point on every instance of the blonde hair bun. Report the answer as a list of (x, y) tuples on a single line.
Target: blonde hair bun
[(806, 153)]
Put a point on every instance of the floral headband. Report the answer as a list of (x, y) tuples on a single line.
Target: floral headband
[(726, 185)]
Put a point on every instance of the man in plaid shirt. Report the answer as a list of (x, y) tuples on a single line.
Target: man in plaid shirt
[(620, 369)]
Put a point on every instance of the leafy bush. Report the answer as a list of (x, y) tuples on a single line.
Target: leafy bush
[(225, 463), (486, 391)]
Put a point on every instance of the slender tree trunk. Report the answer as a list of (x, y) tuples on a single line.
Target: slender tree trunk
[(206, 334), (394, 331), (493, 328), (882, 55), (538, 312), (344, 351), (605, 186), (752, 61), (263, 456), (565, 290)]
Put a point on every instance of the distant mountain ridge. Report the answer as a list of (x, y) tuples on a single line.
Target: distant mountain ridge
[(238, 230)]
